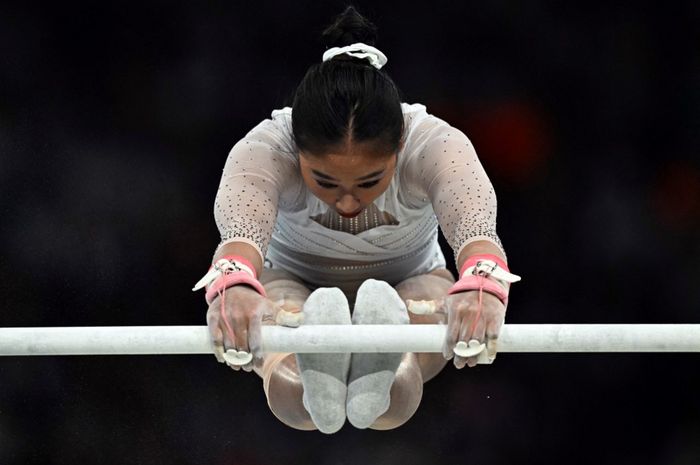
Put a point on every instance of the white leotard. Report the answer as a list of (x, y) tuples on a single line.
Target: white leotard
[(263, 201)]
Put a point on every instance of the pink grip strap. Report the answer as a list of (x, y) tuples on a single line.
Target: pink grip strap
[(233, 279), (228, 279), (472, 282), (478, 283)]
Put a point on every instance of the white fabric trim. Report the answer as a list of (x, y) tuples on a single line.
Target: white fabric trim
[(218, 270), (358, 50), (474, 239), (245, 240)]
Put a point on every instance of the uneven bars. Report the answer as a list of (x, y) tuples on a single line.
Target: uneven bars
[(127, 340)]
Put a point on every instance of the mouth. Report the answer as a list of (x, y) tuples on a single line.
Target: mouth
[(350, 215)]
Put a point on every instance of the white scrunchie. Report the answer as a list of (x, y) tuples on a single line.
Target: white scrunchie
[(358, 50)]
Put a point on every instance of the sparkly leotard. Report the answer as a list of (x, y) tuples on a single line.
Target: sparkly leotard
[(263, 201)]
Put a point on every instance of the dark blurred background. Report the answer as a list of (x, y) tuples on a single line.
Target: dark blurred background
[(115, 122)]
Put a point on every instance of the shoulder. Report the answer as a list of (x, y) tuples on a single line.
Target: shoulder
[(275, 131), (421, 128), (420, 125), (277, 127)]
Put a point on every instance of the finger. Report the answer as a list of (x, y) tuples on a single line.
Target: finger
[(216, 336), (451, 336), (492, 330), (291, 319), (491, 348), (255, 342), (473, 330), (258, 362), (493, 327), (228, 339), (270, 310), (218, 344), (239, 323), (459, 362), (220, 318)]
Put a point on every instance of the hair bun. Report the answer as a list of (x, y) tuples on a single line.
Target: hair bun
[(348, 28)]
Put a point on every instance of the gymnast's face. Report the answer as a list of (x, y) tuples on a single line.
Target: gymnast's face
[(350, 178)]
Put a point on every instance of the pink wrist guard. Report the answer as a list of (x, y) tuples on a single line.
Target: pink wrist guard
[(478, 281), (233, 277)]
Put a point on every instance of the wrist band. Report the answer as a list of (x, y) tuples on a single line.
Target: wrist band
[(484, 273), (480, 283), (476, 270), (227, 272), (488, 265), (233, 279)]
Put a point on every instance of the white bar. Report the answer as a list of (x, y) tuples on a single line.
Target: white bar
[(347, 338)]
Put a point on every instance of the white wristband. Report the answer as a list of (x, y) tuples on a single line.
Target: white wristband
[(219, 268)]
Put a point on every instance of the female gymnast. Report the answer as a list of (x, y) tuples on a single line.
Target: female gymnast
[(342, 194)]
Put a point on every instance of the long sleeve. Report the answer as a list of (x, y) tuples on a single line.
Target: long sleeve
[(446, 171), (259, 173)]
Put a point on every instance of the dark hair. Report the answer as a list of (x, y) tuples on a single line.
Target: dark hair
[(346, 97)]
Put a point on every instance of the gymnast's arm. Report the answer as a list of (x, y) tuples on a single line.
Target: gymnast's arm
[(448, 172), (255, 175), (240, 249)]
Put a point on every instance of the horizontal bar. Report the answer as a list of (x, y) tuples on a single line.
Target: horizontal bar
[(128, 340)]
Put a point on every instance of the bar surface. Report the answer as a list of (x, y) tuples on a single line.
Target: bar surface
[(131, 340)]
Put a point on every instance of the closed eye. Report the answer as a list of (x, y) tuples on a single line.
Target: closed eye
[(367, 185), (326, 185)]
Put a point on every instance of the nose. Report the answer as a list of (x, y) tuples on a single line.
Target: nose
[(347, 204)]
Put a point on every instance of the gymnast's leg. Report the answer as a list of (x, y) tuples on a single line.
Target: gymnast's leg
[(280, 374), (415, 368), (281, 379)]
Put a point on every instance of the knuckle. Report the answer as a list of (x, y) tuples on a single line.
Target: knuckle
[(212, 320), (474, 306), (239, 321), (233, 308), (466, 308)]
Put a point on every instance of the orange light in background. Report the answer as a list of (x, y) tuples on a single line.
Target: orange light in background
[(676, 195), (512, 138)]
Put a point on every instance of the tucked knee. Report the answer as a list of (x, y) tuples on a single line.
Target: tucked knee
[(406, 394), (284, 392)]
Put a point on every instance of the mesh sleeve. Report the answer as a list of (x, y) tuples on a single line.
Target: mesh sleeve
[(450, 174), (254, 179)]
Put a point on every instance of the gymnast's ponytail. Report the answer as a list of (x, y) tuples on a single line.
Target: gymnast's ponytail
[(347, 95)]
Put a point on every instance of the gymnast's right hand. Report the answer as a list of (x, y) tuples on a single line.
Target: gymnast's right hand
[(236, 325), (235, 321)]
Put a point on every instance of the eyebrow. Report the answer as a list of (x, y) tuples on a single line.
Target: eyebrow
[(361, 178)]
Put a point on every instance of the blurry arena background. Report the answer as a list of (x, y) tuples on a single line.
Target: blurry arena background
[(115, 122)]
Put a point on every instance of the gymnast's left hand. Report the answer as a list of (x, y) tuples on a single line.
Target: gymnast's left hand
[(235, 324), (465, 321)]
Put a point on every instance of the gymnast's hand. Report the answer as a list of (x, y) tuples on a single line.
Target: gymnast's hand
[(465, 322), (237, 325)]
